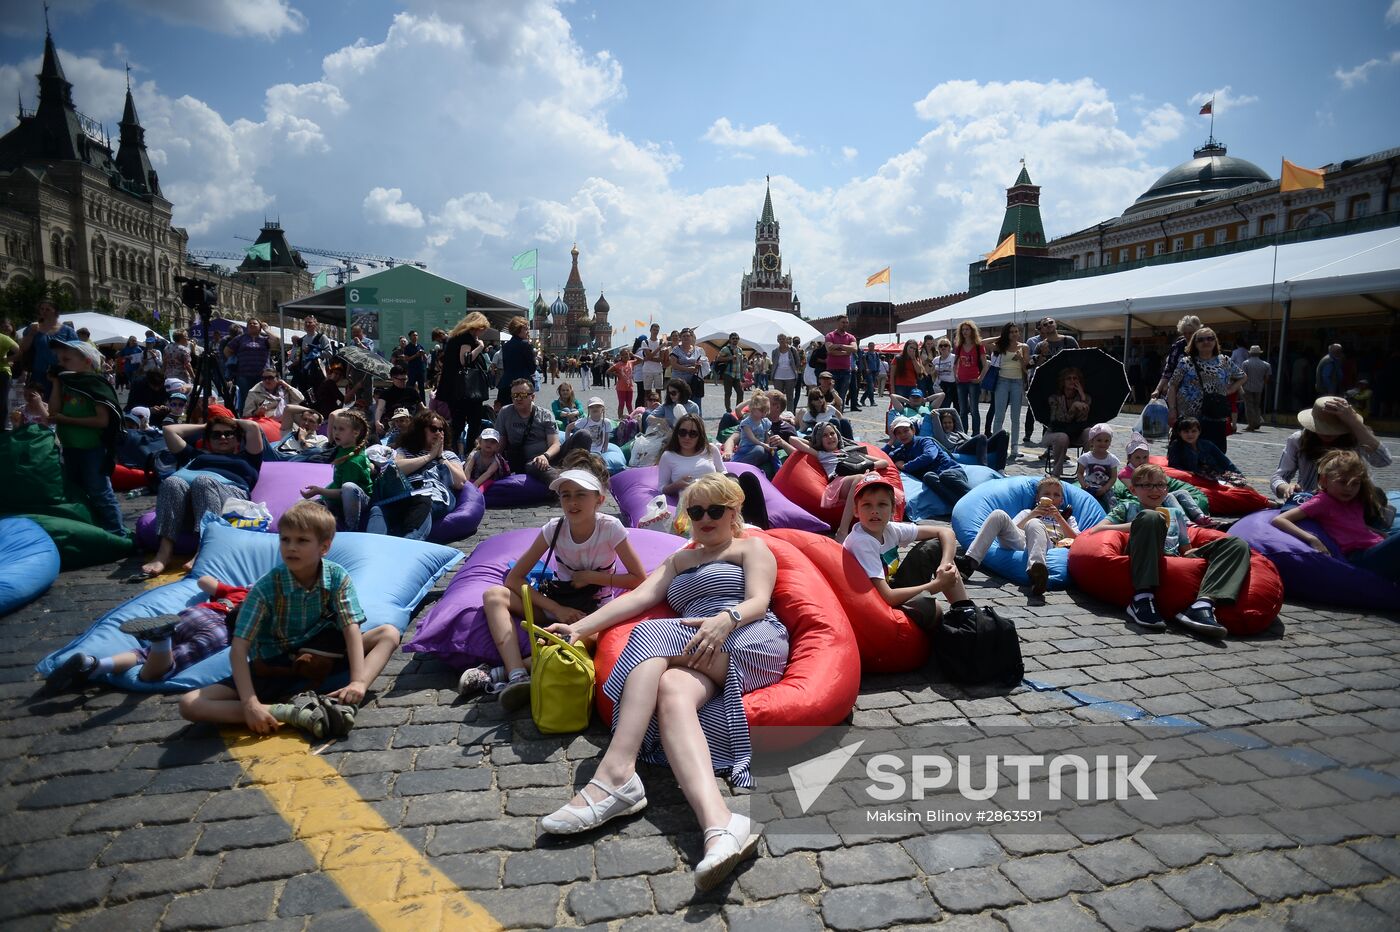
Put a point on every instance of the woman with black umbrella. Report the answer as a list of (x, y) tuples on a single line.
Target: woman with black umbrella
[(1202, 385)]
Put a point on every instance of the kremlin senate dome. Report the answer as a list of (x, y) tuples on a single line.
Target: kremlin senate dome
[(1209, 171)]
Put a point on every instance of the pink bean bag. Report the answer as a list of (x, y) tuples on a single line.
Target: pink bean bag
[(454, 630), (1225, 500), (802, 480), (1098, 564), (279, 487), (823, 670), (888, 640), (461, 522), (634, 488), (515, 490)]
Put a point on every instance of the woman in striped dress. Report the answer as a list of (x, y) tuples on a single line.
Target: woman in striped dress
[(678, 686)]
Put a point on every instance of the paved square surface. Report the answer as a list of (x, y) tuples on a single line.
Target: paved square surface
[(115, 814)]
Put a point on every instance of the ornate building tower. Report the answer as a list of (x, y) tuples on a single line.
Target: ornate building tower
[(1023, 216), (602, 330), (765, 285), (1032, 261), (559, 325), (577, 300)]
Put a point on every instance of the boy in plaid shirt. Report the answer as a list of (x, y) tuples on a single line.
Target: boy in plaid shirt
[(300, 622)]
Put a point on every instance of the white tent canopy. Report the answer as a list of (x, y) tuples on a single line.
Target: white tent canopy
[(104, 329), (1242, 286), (758, 328)]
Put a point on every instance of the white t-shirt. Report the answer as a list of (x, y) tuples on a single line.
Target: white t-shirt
[(599, 552), (943, 368), (674, 466), (879, 557), (649, 366), (828, 460), (597, 430), (783, 368), (1098, 473)]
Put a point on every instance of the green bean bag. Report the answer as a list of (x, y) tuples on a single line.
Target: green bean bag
[(81, 544), (1123, 493), (31, 479)]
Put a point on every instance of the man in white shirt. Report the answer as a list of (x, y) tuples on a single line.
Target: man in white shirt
[(653, 353)]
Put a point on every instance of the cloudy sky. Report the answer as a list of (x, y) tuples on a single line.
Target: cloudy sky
[(462, 133)]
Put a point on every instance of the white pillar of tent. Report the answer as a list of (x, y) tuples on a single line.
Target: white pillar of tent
[(1283, 348), (1127, 329)]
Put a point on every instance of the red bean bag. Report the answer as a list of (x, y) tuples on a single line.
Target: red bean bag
[(271, 428), (802, 480), (1225, 500), (823, 671), (127, 478), (1098, 564), (889, 641)]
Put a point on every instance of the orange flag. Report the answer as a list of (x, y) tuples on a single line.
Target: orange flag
[(1297, 178), (1007, 247), (880, 277)]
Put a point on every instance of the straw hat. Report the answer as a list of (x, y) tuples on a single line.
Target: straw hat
[(1321, 421)]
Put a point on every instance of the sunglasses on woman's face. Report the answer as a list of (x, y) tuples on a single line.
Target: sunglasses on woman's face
[(690, 432), (715, 512), (222, 435)]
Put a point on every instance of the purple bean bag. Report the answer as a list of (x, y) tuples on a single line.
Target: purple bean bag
[(516, 489), (634, 488), (454, 630), (462, 521), (1311, 576), (279, 486)]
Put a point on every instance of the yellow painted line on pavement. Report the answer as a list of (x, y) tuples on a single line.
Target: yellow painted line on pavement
[(380, 873)]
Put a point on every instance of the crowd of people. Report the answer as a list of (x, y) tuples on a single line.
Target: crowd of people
[(403, 451)]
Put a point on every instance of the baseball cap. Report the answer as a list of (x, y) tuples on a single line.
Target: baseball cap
[(84, 347), (174, 385), (595, 400), (152, 339), (398, 413), (826, 375), (580, 477), (178, 396), (489, 433), (916, 393), (899, 422), (871, 480)]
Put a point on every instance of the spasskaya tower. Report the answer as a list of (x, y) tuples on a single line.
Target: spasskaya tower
[(765, 285)]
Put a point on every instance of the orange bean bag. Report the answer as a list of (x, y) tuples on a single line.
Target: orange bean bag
[(823, 671), (802, 480), (889, 641), (127, 478), (1225, 500), (1098, 564)]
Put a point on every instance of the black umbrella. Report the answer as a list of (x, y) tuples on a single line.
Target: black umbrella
[(1104, 379), (364, 361)]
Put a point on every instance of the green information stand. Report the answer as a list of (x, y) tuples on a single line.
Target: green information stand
[(389, 304)]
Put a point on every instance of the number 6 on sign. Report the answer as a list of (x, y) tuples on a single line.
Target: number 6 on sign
[(354, 296)]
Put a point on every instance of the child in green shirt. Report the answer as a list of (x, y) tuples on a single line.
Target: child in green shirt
[(347, 496)]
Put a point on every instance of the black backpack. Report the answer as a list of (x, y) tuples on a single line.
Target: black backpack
[(976, 645)]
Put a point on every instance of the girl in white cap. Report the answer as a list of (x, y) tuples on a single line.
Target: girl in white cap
[(595, 424), (581, 548), (485, 464)]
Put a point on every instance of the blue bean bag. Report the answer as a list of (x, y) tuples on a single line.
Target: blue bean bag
[(391, 576), (30, 559), (615, 458), (516, 489), (461, 522), (926, 430), (921, 502), (1013, 495), (1328, 579)]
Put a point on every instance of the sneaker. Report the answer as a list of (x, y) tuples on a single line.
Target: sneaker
[(1039, 574), (155, 628), (476, 680), (515, 695), (966, 565), (1144, 613), (72, 673), (1200, 621)]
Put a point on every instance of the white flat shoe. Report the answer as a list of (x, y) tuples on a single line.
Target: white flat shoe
[(738, 841), (624, 800)]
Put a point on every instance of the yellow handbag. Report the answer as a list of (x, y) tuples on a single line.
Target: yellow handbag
[(561, 679)]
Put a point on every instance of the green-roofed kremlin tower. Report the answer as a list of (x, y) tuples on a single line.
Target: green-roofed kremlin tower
[(1023, 216), (765, 284)]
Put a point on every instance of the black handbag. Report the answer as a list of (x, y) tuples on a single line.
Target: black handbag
[(976, 645), (855, 464), (475, 383), (564, 592)]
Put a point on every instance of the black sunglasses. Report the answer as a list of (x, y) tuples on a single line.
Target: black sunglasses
[(715, 512), (690, 432), (222, 434)]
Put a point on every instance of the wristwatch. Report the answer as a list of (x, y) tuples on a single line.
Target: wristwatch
[(734, 614)]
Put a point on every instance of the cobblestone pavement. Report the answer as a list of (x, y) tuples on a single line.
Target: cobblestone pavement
[(118, 815)]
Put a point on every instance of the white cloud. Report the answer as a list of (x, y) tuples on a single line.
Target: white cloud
[(386, 205), (1351, 77), (1392, 15), (765, 138), (1225, 99), (849, 153), (264, 19)]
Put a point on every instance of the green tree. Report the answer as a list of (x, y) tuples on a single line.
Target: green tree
[(19, 300)]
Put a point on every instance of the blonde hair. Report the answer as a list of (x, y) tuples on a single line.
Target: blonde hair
[(1148, 471), (716, 488), (588, 462), (473, 321), (311, 517), (759, 400), (1348, 464), (1047, 483), (560, 391), (976, 334)]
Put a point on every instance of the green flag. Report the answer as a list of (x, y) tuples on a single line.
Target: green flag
[(323, 278), (529, 282), (261, 251), (526, 260)]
